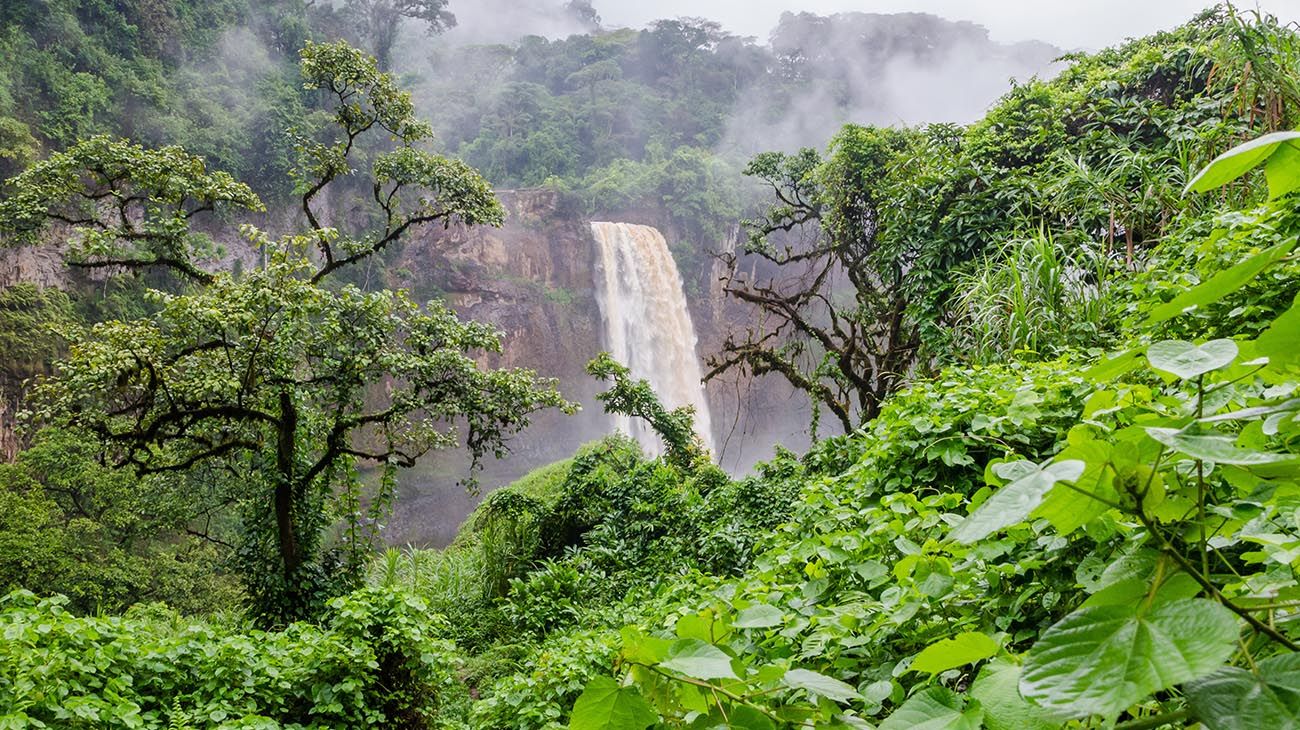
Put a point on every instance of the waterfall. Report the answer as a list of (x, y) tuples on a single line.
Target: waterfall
[(647, 324)]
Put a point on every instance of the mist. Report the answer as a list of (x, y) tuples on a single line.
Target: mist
[(887, 70), (1071, 25), (503, 21)]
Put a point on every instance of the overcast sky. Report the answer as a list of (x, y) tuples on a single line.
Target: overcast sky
[(1070, 24)]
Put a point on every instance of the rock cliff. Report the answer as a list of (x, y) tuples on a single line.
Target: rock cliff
[(533, 280)]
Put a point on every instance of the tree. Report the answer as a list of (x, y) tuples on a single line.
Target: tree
[(833, 284), (380, 20), (637, 399), (131, 208), (281, 381)]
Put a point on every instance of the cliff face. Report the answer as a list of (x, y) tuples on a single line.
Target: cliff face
[(39, 265), (534, 280)]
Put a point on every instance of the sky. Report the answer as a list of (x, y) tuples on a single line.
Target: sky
[(1069, 24)]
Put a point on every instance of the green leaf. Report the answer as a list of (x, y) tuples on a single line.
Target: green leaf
[(1014, 502), (1114, 366), (955, 651), (937, 708), (1221, 284), (997, 689), (1069, 509), (698, 660), (1217, 448), (743, 717), (820, 684), (1282, 171), (1186, 361), (1279, 342), (639, 647), (758, 616), (695, 626), (603, 705), (1239, 160), (1235, 699), (1133, 591), (1101, 661)]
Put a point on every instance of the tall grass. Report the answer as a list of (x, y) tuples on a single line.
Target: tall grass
[(449, 580), (1032, 296)]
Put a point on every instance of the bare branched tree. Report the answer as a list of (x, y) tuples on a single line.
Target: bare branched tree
[(830, 301)]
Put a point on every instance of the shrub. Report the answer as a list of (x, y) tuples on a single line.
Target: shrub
[(375, 663)]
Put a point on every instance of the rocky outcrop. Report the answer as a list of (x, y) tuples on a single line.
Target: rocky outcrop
[(39, 265), (532, 279)]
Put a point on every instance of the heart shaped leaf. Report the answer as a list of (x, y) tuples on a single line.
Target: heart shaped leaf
[(937, 708), (997, 689), (1235, 699), (820, 684), (1186, 361), (955, 651), (758, 616), (603, 705), (1102, 660), (1218, 448), (1014, 502), (699, 660)]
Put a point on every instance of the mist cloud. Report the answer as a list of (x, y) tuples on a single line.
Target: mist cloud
[(1071, 25), (503, 21)]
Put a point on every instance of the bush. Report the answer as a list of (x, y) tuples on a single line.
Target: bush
[(375, 663)]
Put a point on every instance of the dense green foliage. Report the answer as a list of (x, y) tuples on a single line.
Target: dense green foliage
[(375, 661), (899, 248), (260, 388), (1071, 499)]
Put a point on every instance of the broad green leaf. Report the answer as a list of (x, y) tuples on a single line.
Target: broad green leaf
[(1282, 171), (1069, 508), (742, 717), (1014, 502), (820, 684), (1101, 661), (1010, 471), (1280, 342), (639, 647), (1248, 414), (1133, 591), (1236, 699), (937, 708), (955, 651), (1218, 448), (603, 705), (758, 616), (1186, 361), (1239, 160), (1221, 284), (706, 626), (693, 698), (1114, 366), (698, 660), (998, 690)]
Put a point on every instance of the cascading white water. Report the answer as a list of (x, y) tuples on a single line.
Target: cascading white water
[(647, 324)]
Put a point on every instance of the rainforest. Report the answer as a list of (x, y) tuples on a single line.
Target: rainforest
[(436, 364)]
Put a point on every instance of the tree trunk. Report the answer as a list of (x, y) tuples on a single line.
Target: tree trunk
[(285, 458)]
